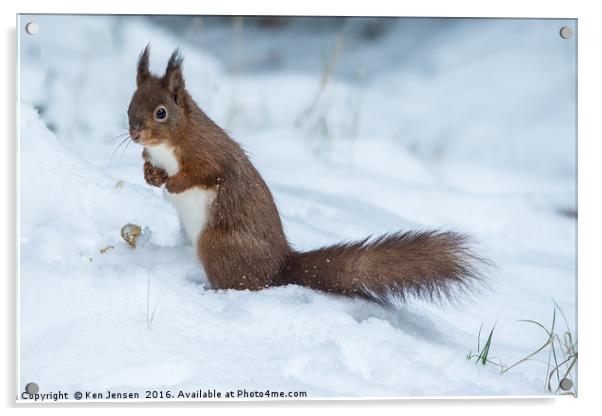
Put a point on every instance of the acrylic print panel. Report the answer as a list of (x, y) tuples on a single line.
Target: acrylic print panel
[(448, 143)]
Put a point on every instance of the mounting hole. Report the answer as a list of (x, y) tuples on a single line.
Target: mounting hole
[(32, 388), (32, 28), (566, 384), (566, 32)]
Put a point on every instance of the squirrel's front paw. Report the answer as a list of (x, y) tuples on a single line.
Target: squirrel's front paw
[(177, 183), (153, 175)]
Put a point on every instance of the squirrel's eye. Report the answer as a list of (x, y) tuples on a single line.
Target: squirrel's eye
[(160, 113)]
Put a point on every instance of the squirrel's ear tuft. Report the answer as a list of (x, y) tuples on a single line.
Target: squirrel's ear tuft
[(173, 78), (143, 73)]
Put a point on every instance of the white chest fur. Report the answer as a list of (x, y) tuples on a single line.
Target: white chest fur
[(193, 204)]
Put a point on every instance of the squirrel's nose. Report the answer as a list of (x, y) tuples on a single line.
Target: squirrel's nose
[(136, 125), (134, 133)]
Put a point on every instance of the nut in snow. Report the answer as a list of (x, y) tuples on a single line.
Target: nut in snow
[(135, 235), (130, 233)]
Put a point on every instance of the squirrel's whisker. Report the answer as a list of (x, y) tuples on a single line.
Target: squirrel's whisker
[(118, 146), (116, 137), (125, 148)]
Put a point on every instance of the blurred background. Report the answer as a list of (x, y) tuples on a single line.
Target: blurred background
[(494, 92)]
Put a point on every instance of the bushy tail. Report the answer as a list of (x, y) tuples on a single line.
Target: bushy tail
[(390, 268)]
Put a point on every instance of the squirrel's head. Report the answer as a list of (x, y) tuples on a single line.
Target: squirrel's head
[(158, 104)]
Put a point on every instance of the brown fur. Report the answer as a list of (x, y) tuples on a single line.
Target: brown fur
[(243, 245)]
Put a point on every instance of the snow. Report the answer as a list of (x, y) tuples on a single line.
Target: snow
[(465, 125)]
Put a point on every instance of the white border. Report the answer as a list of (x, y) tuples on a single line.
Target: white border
[(589, 188)]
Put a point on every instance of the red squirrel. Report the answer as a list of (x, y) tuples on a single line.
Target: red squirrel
[(229, 214)]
